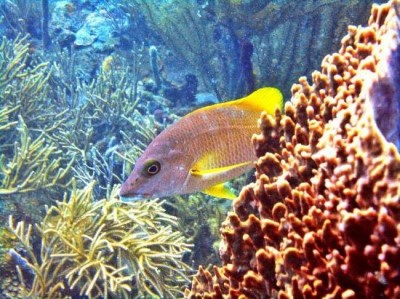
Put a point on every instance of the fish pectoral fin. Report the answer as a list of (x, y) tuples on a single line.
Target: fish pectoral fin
[(221, 191), (204, 172)]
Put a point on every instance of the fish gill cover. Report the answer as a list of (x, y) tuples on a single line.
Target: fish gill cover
[(85, 85)]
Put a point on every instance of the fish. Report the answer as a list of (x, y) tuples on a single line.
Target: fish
[(202, 151)]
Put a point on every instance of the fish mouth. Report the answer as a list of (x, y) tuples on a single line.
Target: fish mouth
[(132, 196), (128, 192)]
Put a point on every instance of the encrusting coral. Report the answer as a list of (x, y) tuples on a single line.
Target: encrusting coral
[(322, 219), (103, 249)]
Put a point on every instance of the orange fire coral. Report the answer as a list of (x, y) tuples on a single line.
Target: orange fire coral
[(322, 219)]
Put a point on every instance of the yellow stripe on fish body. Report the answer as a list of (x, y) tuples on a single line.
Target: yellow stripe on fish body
[(203, 149)]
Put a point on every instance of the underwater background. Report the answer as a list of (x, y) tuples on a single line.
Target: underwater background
[(85, 86)]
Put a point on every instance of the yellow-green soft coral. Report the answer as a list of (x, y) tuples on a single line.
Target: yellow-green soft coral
[(28, 160), (105, 249), (33, 165), (105, 129), (24, 86)]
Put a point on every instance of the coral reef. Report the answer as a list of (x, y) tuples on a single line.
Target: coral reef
[(28, 159), (33, 166), (21, 16), (66, 125), (102, 248), (54, 126), (10, 286), (322, 219), (22, 81), (226, 30), (61, 117), (200, 217), (106, 137)]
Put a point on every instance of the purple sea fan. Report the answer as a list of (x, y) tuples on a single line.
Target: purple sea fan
[(383, 92)]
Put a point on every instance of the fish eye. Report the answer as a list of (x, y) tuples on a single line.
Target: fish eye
[(151, 168)]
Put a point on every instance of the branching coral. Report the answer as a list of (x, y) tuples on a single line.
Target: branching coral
[(111, 96), (24, 84), (106, 131), (31, 162), (101, 249), (13, 57), (33, 165), (5, 124), (199, 220), (97, 128), (322, 219), (104, 249)]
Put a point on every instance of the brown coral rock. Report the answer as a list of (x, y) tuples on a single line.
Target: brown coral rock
[(322, 219)]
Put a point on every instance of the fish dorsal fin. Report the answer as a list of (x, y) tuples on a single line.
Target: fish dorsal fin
[(264, 99), (220, 191)]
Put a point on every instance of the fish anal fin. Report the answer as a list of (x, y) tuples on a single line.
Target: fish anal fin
[(220, 191)]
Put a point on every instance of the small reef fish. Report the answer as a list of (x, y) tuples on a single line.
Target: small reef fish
[(202, 150)]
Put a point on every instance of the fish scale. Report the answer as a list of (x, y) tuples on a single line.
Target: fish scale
[(237, 138)]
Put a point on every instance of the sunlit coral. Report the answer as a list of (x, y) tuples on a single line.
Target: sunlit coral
[(322, 219), (33, 165), (24, 86), (102, 249), (28, 161)]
